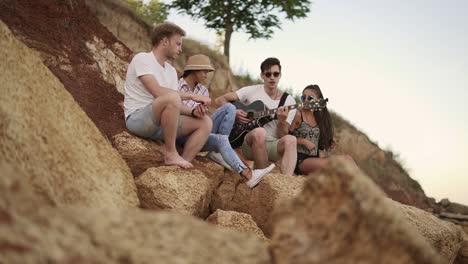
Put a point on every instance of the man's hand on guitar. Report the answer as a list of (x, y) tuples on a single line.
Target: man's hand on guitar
[(206, 100), (241, 116), (282, 114)]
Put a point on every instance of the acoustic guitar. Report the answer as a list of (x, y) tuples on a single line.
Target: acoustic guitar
[(259, 114)]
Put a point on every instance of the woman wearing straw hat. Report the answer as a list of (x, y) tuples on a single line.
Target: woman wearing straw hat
[(195, 73)]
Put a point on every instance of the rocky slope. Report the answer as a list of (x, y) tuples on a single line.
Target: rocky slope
[(45, 132)]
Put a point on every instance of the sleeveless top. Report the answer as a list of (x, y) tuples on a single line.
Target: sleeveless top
[(310, 133)]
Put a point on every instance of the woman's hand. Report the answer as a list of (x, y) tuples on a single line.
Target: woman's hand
[(306, 143), (200, 110), (309, 145)]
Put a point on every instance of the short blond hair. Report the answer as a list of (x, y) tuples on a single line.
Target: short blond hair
[(164, 30)]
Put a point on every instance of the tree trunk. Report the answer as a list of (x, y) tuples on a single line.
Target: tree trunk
[(227, 41)]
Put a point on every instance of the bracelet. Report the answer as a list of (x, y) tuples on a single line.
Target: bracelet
[(193, 110)]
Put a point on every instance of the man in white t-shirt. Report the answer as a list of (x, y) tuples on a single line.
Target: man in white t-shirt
[(153, 106), (272, 141)]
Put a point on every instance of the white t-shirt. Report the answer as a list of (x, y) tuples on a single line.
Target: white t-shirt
[(136, 95), (249, 94)]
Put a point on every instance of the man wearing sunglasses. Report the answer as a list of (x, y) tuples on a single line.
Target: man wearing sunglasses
[(272, 141)]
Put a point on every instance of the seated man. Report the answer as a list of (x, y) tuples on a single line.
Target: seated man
[(271, 142), (153, 107), (195, 73)]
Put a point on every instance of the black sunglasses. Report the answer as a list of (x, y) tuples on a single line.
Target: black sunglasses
[(275, 74), (308, 97)]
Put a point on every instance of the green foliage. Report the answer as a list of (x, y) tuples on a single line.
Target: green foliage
[(257, 18), (153, 12)]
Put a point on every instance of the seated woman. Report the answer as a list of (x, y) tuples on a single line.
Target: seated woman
[(314, 132), (195, 73)]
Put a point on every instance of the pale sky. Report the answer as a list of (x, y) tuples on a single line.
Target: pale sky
[(397, 70)]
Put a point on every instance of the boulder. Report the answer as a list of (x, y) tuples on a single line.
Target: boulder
[(444, 202), (33, 232), (140, 154), (456, 208), (445, 237), (188, 191), (236, 221), (234, 195), (341, 216), (462, 257), (46, 133)]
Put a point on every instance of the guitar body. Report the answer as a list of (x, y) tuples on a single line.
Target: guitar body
[(238, 132)]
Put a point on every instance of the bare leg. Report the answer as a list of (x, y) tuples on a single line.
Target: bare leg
[(198, 129), (166, 108), (246, 173), (287, 149), (312, 164), (256, 141)]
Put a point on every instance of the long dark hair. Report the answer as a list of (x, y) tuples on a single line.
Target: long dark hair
[(324, 121)]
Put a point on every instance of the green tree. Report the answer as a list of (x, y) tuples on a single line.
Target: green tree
[(257, 18), (154, 12)]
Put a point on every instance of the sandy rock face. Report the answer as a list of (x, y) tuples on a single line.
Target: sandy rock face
[(342, 217), (87, 59), (123, 23), (33, 232), (236, 221), (170, 187), (112, 67), (140, 154), (44, 132), (446, 238), (234, 195)]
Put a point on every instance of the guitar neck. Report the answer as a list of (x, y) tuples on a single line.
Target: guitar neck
[(268, 112)]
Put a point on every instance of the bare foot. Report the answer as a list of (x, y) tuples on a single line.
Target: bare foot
[(175, 159)]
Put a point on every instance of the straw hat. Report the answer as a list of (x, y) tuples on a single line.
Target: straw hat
[(198, 62)]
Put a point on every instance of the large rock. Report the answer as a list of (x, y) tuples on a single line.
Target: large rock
[(462, 257), (236, 221), (32, 232), (451, 207), (343, 217), (444, 236), (44, 132), (188, 191), (234, 195), (88, 60), (140, 154)]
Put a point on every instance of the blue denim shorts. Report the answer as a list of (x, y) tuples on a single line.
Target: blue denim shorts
[(143, 123)]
